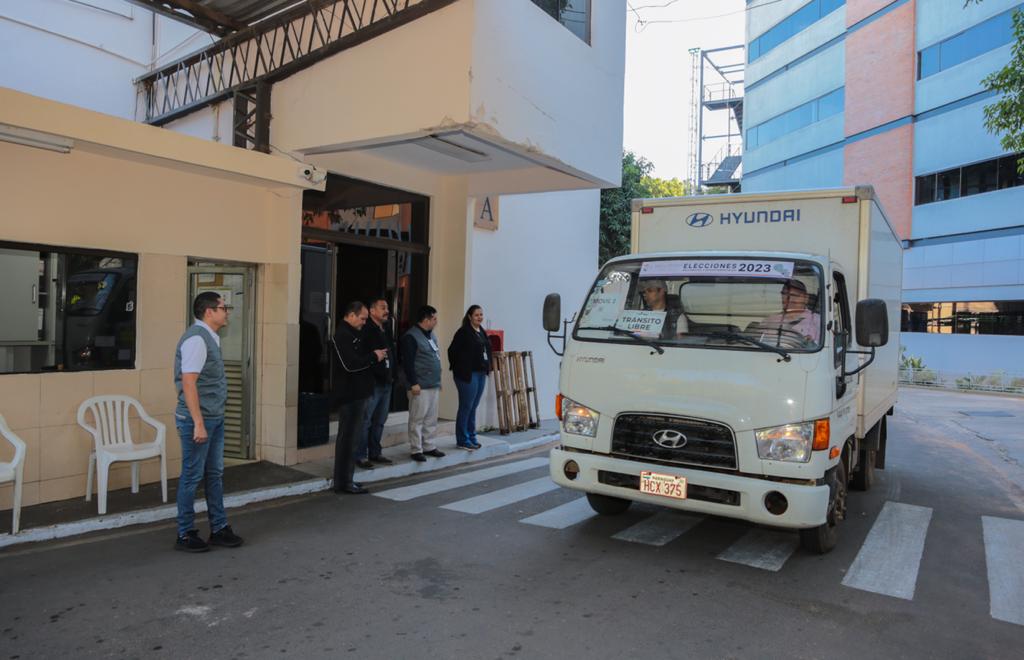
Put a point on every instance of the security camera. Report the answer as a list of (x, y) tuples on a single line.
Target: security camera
[(314, 174)]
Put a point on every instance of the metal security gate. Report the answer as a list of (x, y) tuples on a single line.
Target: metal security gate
[(235, 284)]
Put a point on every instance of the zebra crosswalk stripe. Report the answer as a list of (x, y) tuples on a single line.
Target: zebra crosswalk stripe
[(503, 497), (762, 548), (890, 557), (433, 486), (563, 516), (660, 529), (1004, 539)]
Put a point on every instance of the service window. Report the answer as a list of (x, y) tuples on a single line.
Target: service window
[(66, 309)]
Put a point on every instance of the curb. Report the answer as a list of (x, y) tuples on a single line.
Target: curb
[(493, 449)]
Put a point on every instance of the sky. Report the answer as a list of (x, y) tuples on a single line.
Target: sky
[(657, 90)]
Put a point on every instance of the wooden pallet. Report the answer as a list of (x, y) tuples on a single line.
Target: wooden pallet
[(515, 384)]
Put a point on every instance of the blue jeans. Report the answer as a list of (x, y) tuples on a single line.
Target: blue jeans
[(469, 398), (201, 464), (376, 414)]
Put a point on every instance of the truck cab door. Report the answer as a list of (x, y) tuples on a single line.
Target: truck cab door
[(842, 335)]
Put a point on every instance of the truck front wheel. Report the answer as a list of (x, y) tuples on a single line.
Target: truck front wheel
[(607, 505), (821, 539)]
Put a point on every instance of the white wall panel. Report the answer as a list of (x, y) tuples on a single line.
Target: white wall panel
[(545, 243)]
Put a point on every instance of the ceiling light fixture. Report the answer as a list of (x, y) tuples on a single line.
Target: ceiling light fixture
[(30, 138)]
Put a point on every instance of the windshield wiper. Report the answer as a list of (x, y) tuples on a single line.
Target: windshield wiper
[(735, 336), (625, 333)]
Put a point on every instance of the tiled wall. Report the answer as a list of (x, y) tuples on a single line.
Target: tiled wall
[(41, 408)]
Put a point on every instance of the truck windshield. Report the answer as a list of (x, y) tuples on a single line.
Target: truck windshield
[(737, 303)]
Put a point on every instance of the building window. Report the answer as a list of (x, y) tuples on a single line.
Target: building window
[(573, 14), (795, 119), (66, 309), (972, 42), (1000, 317), (793, 24), (973, 179)]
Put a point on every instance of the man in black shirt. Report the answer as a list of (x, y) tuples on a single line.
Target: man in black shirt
[(352, 388), (377, 336)]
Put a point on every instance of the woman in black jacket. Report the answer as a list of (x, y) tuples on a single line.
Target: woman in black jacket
[(469, 355)]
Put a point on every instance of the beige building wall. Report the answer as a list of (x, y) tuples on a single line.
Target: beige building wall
[(103, 198)]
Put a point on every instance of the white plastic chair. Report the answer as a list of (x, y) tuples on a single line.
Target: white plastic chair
[(13, 471), (112, 435)]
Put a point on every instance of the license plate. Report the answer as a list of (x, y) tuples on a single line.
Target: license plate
[(666, 485)]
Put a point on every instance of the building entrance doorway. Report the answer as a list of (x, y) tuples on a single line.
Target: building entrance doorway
[(233, 283), (360, 241)]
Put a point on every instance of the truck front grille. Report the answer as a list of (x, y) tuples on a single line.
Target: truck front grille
[(678, 440)]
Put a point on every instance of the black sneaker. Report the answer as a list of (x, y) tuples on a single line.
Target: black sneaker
[(383, 460), (225, 537), (419, 457), (436, 453), (365, 464), (191, 543)]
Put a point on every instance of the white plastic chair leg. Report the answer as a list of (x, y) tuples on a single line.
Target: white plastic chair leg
[(88, 478), (163, 474), (17, 499), (135, 477), (102, 472)]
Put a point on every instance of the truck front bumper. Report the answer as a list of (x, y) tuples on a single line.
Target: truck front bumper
[(714, 493)]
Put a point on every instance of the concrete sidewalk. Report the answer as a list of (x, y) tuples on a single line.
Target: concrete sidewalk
[(250, 483), (493, 445)]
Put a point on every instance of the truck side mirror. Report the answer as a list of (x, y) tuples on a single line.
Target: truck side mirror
[(872, 323), (552, 312)]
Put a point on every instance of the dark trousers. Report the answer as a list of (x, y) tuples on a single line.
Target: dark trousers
[(350, 430), (376, 414)]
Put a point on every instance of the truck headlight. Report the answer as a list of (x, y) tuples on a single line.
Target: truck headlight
[(578, 419), (790, 442)]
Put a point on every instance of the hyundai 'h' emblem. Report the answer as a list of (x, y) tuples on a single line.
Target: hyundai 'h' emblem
[(698, 219), (669, 439)]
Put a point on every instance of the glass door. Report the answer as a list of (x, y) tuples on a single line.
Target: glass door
[(235, 285)]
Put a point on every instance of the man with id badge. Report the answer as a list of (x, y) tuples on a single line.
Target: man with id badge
[(199, 416), (421, 363)]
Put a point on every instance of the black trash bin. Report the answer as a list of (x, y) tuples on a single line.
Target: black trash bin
[(314, 419)]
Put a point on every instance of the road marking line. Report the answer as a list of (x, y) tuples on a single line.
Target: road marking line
[(563, 516), (406, 493), (1004, 539), (888, 561), (762, 548), (503, 497), (660, 529)]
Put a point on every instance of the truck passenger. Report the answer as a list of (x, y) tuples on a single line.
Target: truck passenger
[(656, 299), (796, 318)]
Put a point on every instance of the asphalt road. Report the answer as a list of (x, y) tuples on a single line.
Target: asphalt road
[(329, 576)]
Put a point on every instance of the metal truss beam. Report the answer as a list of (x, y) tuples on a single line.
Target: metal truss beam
[(195, 14), (251, 122), (272, 50)]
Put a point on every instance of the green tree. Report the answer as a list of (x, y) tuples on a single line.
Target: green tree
[(665, 187), (616, 206), (1005, 117)]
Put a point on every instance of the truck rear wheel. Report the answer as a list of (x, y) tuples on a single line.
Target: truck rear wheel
[(821, 539), (607, 505), (864, 475)]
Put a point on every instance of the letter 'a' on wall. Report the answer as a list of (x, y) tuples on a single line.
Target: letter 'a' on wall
[(485, 212)]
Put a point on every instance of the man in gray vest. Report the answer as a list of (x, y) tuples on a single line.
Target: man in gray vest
[(202, 393), (421, 363)]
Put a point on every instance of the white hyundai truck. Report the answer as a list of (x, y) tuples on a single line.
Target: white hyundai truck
[(740, 362)]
